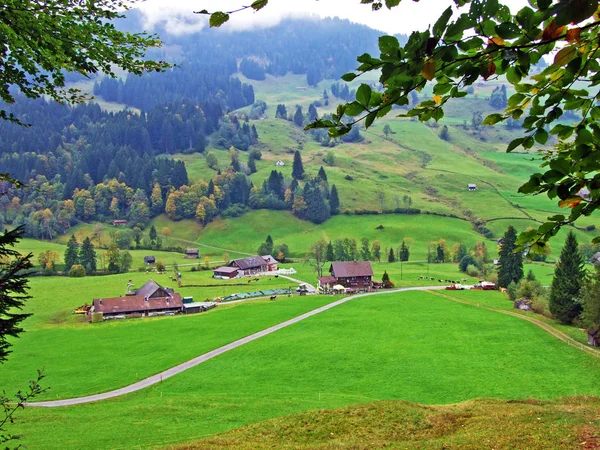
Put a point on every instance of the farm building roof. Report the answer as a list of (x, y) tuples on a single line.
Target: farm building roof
[(269, 259), (327, 280), (193, 251), (225, 269), (149, 288), (136, 303), (345, 269), (595, 260), (250, 263)]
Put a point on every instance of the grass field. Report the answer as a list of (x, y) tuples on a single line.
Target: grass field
[(396, 424), (411, 346)]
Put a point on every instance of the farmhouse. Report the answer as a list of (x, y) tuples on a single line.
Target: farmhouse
[(279, 163), (351, 274), (472, 187), (225, 272), (149, 259), (192, 253), (119, 222), (271, 263), (150, 300), (250, 266)]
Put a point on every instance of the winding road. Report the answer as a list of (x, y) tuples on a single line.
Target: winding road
[(159, 377)]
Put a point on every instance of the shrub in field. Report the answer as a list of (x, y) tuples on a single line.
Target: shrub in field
[(473, 271), (77, 271)]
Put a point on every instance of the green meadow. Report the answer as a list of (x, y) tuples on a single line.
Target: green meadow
[(412, 346)]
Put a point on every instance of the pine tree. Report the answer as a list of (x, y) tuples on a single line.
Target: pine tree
[(404, 252), (329, 253), (590, 301), (569, 275), (87, 256), (312, 113), (13, 289), (322, 175), (334, 201), (391, 257), (153, 235), (299, 117), (510, 262), (71, 253), (298, 167), (251, 165)]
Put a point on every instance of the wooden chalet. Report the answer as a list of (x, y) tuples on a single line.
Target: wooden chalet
[(150, 300), (250, 266), (271, 263), (225, 272), (192, 253), (119, 222), (351, 274)]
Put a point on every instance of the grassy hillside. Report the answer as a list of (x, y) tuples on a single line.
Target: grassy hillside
[(412, 160), (412, 346), (530, 424)]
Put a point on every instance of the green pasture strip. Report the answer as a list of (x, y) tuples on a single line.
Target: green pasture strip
[(411, 346)]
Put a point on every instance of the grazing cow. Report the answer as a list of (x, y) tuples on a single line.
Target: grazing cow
[(273, 297)]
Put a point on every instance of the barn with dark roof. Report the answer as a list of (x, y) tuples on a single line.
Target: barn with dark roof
[(351, 274)]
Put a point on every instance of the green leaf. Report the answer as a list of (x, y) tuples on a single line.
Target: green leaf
[(514, 144), (492, 119), (561, 165), (442, 23), (508, 30), (584, 137), (354, 109), (388, 44), (363, 94), (370, 118), (515, 99), (513, 75), (541, 136), (259, 4), (349, 76), (391, 3), (218, 18), (564, 55)]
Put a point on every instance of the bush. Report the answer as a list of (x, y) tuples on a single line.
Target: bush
[(77, 271), (590, 228), (531, 290), (540, 306), (511, 290), (235, 210), (473, 271), (465, 262)]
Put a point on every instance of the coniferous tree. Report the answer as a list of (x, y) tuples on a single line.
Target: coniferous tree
[(569, 275), (297, 167), (88, 256), (404, 252), (590, 301), (365, 250), (391, 256), (510, 262), (251, 165), (312, 113), (71, 253), (322, 175), (153, 235), (334, 201), (299, 117), (329, 253), (13, 287)]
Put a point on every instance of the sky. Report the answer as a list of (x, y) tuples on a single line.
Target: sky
[(178, 18)]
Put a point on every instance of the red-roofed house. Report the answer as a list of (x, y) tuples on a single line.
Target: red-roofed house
[(352, 274), (150, 300)]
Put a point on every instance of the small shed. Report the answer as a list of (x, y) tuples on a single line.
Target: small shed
[(149, 259), (225, 272), (119, 222), (595, 260), (192, 253), (280, 163), (472, 187), (197, 307)]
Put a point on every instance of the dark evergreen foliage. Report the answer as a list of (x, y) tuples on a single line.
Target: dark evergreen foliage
[(334, 201), (14, 270), (87, 256), (569, 275), (298, 167), (71, 253), (510, 266)]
